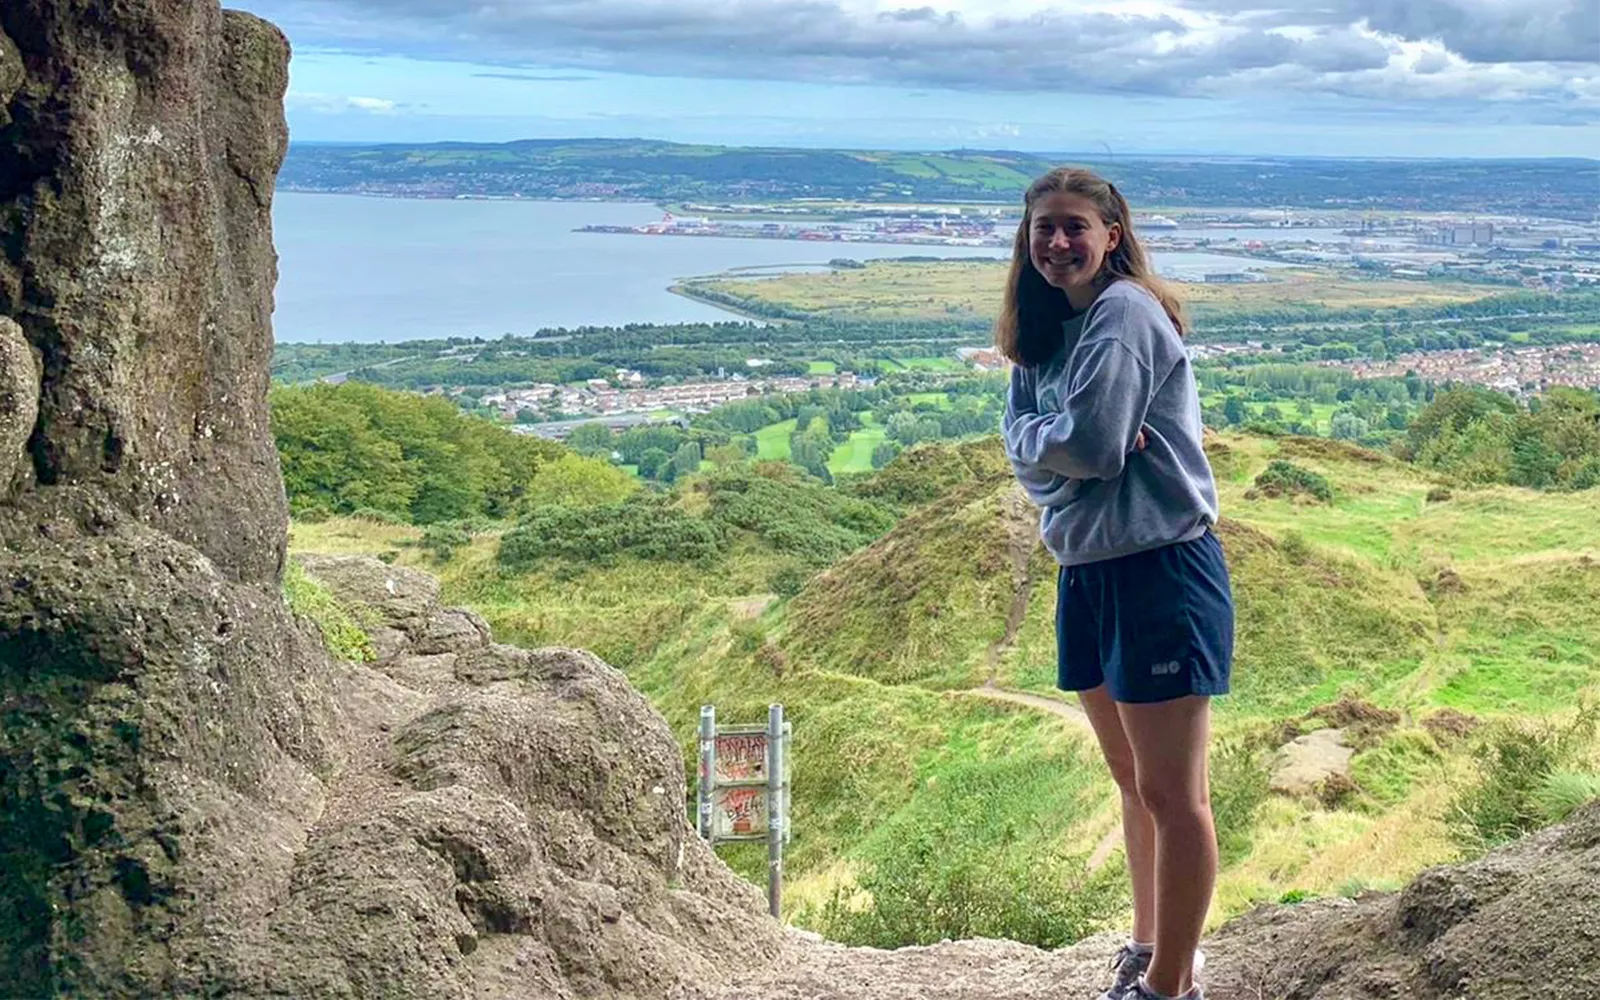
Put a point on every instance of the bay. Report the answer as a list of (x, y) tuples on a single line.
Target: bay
[(353, 268)]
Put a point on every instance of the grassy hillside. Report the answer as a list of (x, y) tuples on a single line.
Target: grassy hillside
[(1417, 618), (636, 168)]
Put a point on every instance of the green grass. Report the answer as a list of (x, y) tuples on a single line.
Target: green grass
[(822, 367), (341, 630), (772, 441), (1320, 419), (855, 454), (938, 364)]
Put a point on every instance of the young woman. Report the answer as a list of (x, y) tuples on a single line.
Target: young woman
[(1103, 429)]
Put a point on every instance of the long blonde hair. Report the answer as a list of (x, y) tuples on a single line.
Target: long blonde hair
[(1031, 313)]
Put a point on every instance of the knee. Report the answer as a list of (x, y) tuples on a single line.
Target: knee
[(1164, 798), (1124, 774)]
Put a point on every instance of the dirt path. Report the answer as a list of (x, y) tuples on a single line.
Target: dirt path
[(1061, 709), (752, 607), (1022, 541)]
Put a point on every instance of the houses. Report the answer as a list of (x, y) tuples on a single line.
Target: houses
[(1513, 370), (628, 394)]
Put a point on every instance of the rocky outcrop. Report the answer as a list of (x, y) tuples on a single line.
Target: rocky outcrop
[(1521, 924), (136, 183), (512, 824), (194, 799)]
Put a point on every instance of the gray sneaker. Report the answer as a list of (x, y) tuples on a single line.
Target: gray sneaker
[(1129, 964), (1142, 992), (1126, 968)]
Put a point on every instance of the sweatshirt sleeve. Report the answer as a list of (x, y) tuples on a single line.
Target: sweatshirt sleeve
[(1107, 390), (1043, 487)]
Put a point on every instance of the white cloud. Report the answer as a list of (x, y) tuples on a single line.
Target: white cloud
[(332, 103), (1489, 50)]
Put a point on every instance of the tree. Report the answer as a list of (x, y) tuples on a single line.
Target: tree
[(579, 481), (1346, 426), (724, 455), (1234, 410), (356, 446), (904, 428), (592, 438), (884, 453), (685, 461), (632, 444), (653, 463), (808, 453)]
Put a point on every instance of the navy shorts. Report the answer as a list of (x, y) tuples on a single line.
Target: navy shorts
[(1153, 626)]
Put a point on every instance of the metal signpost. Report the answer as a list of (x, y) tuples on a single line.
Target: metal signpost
[(744, 788)]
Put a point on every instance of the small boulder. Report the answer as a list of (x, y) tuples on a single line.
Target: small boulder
[(400, 598), (1310, 760)]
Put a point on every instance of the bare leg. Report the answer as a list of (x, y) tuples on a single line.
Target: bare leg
[(1138, 828), (1169, 751)]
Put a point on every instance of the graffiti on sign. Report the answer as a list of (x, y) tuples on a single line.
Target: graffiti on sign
[(741, 757), (739, 811)]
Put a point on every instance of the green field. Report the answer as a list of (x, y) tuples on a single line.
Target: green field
[(1321, 413), (970, 290), (855, 454), (772, 441)]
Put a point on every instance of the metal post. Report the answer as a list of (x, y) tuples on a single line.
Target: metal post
[(775, 807), (788, 779), (708, 767)]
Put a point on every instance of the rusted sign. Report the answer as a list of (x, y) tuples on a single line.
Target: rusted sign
[(741, 757), (739, 812)]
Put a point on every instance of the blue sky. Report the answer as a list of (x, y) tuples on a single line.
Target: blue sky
[(1292, 77)]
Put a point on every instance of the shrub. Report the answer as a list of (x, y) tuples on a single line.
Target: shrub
[(645, 526), (341, 633), (788, 580), (977, 857), (578, 481), (1240, 782), (1295, 548), (441, 541), (1281, 478), (922, 894), (378, 516), (1527, 779), (795, 515)]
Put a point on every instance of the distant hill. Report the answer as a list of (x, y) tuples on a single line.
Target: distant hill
[(662, 171)]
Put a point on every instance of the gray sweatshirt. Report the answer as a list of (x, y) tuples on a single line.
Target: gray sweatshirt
[(1071, 423)]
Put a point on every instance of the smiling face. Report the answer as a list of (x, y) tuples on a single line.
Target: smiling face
[(1068, 243)]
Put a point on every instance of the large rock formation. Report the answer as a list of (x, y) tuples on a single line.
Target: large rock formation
[(193, 798), (136, 183)]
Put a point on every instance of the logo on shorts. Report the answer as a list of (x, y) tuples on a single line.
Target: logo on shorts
[(1166, 669)]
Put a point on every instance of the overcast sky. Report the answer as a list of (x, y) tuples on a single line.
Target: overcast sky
[(1313, 77)]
